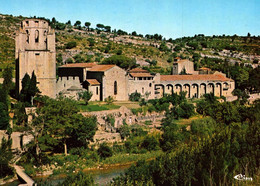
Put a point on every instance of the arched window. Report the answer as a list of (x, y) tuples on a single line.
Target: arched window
[(115, 88), (36, 36)]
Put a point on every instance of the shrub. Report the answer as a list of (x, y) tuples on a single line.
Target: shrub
[(104, 151), (135, 96), (70, 45)]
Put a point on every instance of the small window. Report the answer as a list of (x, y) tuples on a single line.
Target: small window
[(37, 54), (27, 22), (143, 90), (115, 88), (150, 84), (97, 90), (27, 36), (36, 36)]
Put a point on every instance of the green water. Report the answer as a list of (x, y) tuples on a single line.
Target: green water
[(101, 176)]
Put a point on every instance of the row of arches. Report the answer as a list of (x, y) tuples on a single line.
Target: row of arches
[(193, 90)]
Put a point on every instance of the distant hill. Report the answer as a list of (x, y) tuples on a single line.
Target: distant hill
[(80, 44)]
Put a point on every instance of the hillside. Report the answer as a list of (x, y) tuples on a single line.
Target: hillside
[(81, 44)]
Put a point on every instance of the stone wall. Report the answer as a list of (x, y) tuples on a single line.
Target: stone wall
[(115, 77)]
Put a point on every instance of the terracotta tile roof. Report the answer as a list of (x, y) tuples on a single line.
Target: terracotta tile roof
[(93, 82), (183, 60), (204, 68), (78, 65), (141, 75), (101, 68), (203, 77), (138, 70)]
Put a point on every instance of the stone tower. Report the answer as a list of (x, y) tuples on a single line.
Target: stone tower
[(35, 51)]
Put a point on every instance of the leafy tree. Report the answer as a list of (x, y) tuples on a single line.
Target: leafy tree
[(71, 44), (124, 131), (8, 76), (100, 26), (107, 28), (68, 22), (24, 94), (4, 117), (121, 61), (60, 119), (91, 41), (5, 158), (77, 24), (29, 88), (135, 96), (134, 33), (87, 24), (86, 96), (104, 151), (150, 143)]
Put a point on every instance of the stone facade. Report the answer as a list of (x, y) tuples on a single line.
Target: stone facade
[(35, 51), (180, 65)]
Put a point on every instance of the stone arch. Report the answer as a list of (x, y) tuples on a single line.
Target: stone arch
[(159, 89), (211, 88), (203, 89), (218, 89), (169, 89), (177, 88), (115, 88), (195, 90), (186, 88)]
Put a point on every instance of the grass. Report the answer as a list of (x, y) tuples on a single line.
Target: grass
[(122, 158), (96, 107), (187, 121)]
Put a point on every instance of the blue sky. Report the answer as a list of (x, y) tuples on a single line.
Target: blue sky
[(171, 18)]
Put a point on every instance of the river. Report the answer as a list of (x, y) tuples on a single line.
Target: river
[(101, 176)]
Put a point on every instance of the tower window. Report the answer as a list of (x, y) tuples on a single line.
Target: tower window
[(27, 36), (36, 36), (115, 88)]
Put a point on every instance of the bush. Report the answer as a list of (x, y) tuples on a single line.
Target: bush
[(104, 151), (135, 96), (70, 45), (79, 179), (150, 143)]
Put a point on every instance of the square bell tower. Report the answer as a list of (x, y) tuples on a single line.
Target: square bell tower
[(35, 51)]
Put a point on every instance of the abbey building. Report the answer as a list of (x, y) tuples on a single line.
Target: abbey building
[(35, 51)]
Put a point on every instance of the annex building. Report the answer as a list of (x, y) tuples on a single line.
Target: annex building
[(35, 52)]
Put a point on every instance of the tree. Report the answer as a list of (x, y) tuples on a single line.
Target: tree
[(4, 117), (86, 96), (87, 24), (104, 151), (135, 96), (24, 94), (134, 33), (62, 122), (100, 26), (77, 24), (91, 41), (29, 88), (8, 76), (71, 45), (121, 61), (107, 28), (5, 157)]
